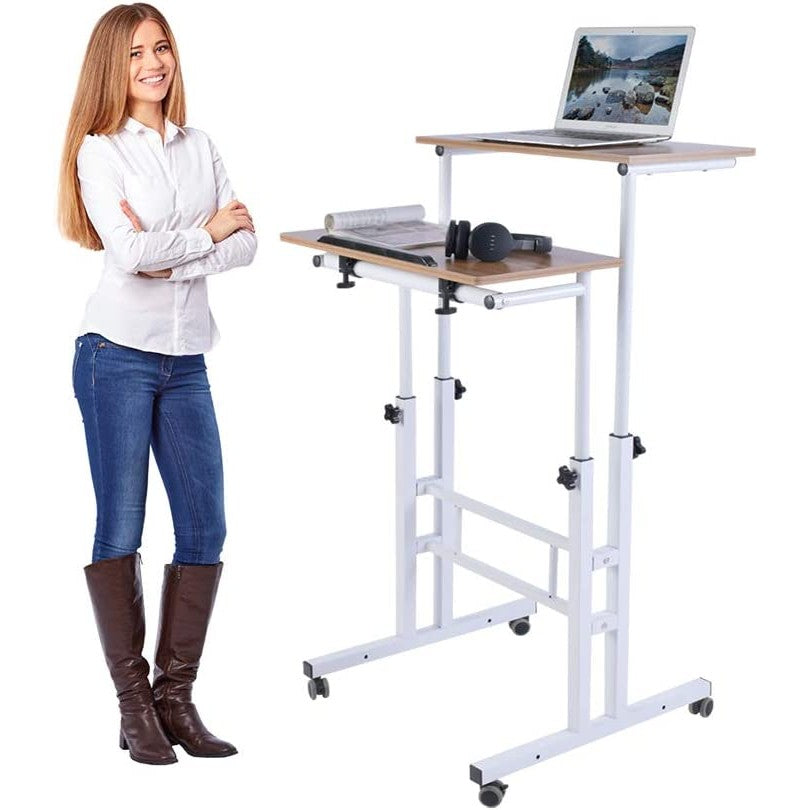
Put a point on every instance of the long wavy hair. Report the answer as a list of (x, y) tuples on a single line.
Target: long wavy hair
[(100, 105)]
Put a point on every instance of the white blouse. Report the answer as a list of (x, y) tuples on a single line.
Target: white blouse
[(174, 187)]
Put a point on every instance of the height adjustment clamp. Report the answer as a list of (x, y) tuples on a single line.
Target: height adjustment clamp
[(638, 448), (446, 293), (568, 478), (346, 268), (393, 414), (460, 390)]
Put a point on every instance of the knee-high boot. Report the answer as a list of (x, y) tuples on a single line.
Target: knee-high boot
[(117, 597), (189, 592)]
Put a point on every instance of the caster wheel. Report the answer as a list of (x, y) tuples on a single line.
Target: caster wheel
[(520, 626), (702, 707), (318, 686), (491, 795)]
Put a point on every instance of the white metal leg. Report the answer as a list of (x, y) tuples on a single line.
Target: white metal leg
[(447, 516), (580, 519), (445, 186), (625, 305), (618, 574), (582, 398), (406, 477), (580, 527)]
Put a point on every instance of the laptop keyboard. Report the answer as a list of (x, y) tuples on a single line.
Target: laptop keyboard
[(585, 136)]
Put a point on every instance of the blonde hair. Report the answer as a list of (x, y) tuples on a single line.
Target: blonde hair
[(100, 105)]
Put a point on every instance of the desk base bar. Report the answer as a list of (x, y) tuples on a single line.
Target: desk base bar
[(488, 770), (352, 657)]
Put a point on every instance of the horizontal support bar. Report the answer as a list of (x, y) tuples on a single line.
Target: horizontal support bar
[(491, 513), (488, 770), (684, 166), (513, 299), (605, 557), (501, 577), (315, 667), (465, 293)]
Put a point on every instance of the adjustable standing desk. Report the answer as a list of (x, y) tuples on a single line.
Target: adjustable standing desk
[(479, 283)]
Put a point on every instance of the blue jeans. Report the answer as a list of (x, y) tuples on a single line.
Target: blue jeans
[(131, 399)]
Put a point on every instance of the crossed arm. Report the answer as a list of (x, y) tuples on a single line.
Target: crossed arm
[(226, 241), (229, 219)]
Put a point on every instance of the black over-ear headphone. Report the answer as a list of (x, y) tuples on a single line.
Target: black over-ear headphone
[(490, 241)]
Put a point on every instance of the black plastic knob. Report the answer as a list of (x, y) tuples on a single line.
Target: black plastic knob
[(393, 414), (568, 478)]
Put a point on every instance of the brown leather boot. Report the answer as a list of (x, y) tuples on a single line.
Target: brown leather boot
[(117, 596), (188, 599)]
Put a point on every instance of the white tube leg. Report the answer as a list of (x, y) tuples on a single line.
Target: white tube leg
[(580, 520), (620, 478), (625, 305), (445, 186), (580, 523), (406, 517), (582, 409), (405, 344), (618, 576), (446, 516), (406, 477)]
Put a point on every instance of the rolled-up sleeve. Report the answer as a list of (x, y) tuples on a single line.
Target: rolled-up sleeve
[(102, 189), (237, 250)]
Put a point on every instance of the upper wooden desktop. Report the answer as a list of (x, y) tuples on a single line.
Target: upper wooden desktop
[(638, 154)]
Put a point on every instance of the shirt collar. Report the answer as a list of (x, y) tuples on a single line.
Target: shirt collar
[(171, 128)]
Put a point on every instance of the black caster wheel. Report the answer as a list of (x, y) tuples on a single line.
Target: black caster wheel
[(318, 686), (520, 627), (702, 707), (491, 795)]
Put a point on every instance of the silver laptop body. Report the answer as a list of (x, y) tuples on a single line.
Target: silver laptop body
[(623, 86)]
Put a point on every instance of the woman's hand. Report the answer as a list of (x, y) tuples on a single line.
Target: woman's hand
[(228, 219), (136, 224)]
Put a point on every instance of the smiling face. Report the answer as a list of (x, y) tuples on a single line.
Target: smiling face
[(151, 64)]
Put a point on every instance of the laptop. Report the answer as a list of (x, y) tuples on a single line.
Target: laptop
[(623, 86)]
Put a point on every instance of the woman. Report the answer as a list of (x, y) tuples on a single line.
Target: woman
[(153, 194)]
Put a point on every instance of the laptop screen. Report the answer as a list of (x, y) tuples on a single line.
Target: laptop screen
[(626, 79)]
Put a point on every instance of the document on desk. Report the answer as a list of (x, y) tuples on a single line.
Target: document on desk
[(402, 226)]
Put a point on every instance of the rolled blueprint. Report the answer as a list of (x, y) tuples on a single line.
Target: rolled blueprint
[(374, 217)]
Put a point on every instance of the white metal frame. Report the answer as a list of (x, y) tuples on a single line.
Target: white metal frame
[(444, 543)]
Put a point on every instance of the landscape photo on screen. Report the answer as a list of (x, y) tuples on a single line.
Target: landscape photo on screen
[(625, 78)]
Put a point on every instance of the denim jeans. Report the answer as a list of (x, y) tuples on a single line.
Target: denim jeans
[(131, 399)]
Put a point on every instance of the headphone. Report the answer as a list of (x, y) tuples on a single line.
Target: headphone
[(490, 241)]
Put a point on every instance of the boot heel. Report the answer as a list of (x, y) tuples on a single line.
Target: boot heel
[(122, 741)]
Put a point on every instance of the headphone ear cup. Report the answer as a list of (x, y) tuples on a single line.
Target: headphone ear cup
[(450, 239), (462, 239), (491, 242)]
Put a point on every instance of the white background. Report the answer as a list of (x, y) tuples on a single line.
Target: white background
[(314, 107)]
